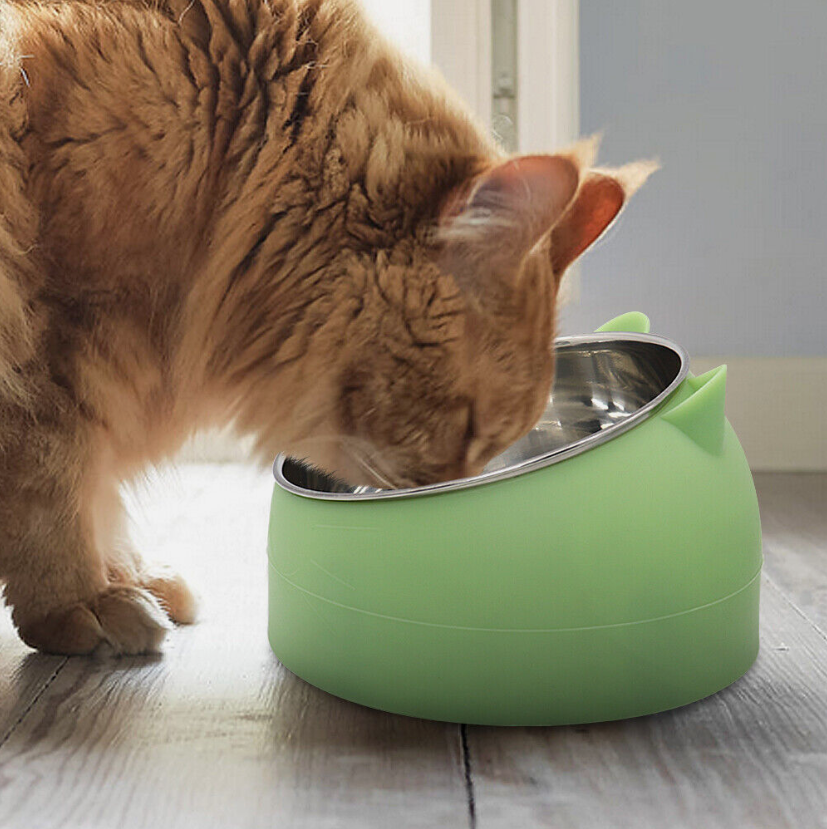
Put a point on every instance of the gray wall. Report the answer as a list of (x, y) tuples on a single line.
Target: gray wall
[(726, 247)]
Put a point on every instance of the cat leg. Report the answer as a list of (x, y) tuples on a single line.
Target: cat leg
[(54, 520), (124, 565)]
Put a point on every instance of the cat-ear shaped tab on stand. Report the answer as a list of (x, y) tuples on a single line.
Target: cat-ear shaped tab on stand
[(701, 416), (633, 323)]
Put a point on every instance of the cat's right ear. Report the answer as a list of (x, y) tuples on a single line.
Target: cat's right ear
[(487, 228), (599, 200)]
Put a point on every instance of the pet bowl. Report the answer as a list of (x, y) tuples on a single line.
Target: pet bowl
[(606, 566)]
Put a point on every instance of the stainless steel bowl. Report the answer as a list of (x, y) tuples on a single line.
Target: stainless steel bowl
[(604, 385)]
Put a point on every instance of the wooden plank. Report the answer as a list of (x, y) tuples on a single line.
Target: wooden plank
[(794, 522), (753, 755), (215, 733), (23, 676)]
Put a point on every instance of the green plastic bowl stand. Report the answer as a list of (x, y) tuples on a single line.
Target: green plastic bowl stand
[(621, 582)]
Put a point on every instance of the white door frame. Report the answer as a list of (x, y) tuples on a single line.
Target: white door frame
[(548, 73), (461, 48), (548, 102)]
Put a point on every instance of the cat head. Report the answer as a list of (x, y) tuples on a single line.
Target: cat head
[(451, 360)]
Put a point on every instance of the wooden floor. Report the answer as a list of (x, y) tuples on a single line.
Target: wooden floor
[(217, 734)]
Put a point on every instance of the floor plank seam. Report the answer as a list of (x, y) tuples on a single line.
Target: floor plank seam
[(33, 702), (795, 607), (469, 777)]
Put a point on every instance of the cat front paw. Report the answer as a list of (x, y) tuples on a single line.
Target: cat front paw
[(119, 621)]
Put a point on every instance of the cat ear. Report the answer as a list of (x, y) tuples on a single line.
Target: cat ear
[(598, 202), (487, 230)]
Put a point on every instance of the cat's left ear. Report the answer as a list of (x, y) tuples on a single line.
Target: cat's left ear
[(488, 228), (599, 200)]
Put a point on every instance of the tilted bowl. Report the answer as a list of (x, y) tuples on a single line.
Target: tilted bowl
[(605, 566)]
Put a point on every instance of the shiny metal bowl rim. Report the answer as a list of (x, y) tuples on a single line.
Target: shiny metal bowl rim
[(540, 461)]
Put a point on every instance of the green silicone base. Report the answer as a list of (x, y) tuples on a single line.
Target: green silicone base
[(514, 677)]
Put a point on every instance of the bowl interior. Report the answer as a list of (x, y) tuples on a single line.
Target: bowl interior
[(603, 385), (596, 386)]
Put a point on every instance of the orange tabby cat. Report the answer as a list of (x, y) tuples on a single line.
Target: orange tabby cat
[(251, 211)]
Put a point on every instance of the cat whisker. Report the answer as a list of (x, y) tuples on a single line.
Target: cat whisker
[(358, 450), (369, 459), (373, 470)]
